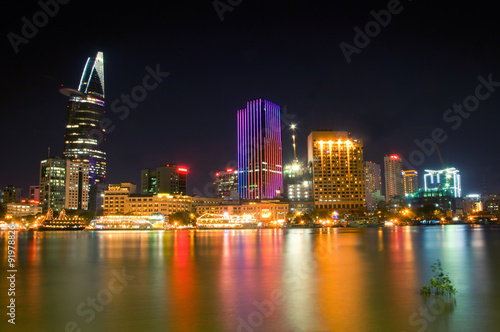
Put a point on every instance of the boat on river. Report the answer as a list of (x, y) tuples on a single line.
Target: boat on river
[(62, 223)]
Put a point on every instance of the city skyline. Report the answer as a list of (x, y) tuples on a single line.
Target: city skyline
[(388, 102)]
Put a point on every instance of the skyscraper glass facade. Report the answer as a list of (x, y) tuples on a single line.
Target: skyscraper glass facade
[(84, 138), (260, 173)]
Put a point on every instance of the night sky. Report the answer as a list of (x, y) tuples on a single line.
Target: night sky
[(395, 90)]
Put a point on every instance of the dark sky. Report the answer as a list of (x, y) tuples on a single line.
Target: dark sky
[(394, 91)]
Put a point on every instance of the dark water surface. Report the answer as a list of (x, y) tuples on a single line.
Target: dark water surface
[(253, 280)]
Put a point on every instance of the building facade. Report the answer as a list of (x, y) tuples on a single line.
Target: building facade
[(64, 184), (262, 210), (226, 184), (52, 184), (260, 173), (297, 181), (166, 179), (24, 208), (11, 194), (337, 170), (393, 171), (35, 193), (84, 138), (77, 185), (446, 179), (410, 181), (373, 184)]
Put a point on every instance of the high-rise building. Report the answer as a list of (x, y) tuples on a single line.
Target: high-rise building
[(64, 184), (52, 183), (373, 176), (77, 185), (226, 184), (373, 184), (297, 180), (393, 177), (445, 179), (410, 180), (337, 170), (11, 194), (260, 170), (84, 138), (167, 179)]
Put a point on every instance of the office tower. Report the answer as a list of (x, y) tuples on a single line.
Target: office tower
[(297, 181), (260, 171), (226, 184), (52, 184), (167, 179), (64, 184), (338, 170), (373, 185), (445, 179), (77, 185), (410, 180), (11, 194), (84, 138), (393, 177)]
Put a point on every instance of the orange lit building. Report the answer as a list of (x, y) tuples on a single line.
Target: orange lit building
[(338, 170), (393, 177)]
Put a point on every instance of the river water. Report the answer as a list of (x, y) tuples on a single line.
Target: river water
[(253, 280)]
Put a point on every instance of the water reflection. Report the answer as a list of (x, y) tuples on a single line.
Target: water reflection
[(257, 280)]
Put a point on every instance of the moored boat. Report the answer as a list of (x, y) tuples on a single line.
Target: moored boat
[(61, 223)]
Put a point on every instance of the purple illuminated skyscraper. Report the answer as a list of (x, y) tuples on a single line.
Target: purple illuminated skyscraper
[(260, 173)]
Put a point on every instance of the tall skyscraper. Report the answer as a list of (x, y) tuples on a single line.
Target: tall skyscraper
[(260, 170), (410, 179), (338, 170), (84, 138), (167, 179), (393, 177)]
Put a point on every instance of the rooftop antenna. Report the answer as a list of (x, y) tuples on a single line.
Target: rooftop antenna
[(48, 152)]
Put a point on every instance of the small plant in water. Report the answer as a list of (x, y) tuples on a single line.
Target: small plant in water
[(440, 283)]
